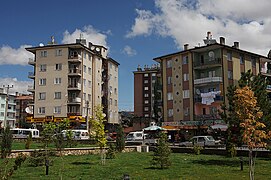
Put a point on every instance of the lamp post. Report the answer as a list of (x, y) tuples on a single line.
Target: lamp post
[(87, 104), (6, 107)]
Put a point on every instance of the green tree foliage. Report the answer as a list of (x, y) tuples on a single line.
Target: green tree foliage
[(161, 153), (6, 142), (111, 152), (120, 141), (28, 141)]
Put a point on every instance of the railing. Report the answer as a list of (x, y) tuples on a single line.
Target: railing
[(30, 88), (207, 62), (208, 80), (217, 98), (75, 72), (31, 61), (31, 75), (74, 86), (75, 57), (74, 100)]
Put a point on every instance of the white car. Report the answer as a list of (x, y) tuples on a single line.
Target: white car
[(200, 141)]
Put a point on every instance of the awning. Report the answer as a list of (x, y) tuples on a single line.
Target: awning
[(171, 128), (222, 127)]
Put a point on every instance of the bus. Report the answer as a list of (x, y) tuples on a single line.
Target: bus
[(23, 133)]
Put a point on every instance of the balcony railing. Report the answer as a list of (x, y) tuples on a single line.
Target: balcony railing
[(207, 62), (76, 100), (75, 58), (74, 72), (76, 86), (31, 88), (31, 61), (217, 98), (31, 75), (208, 80)]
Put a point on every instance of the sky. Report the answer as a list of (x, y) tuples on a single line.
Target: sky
[(134, 31)]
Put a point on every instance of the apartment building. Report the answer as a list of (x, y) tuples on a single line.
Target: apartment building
[(148, 92), (23, 108), (7, 113), (195, 80), (68, 82)]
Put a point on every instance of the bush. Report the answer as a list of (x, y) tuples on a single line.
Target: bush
[(111, 152), (197, 149), (6, 142), (231, 150), (120, 141), (37, 158), (28, 141)]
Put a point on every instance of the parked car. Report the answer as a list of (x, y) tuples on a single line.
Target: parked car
[(200, 141)]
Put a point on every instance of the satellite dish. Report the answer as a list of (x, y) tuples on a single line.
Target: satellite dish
[(211, 54), (29, 110), (41, 44), (197, 91), (97, 49), (92, 47)]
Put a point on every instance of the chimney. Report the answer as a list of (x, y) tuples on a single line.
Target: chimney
[(236, 45), (185, 47), (222, 40)]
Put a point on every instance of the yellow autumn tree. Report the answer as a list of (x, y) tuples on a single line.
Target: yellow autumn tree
[(253, 133), (97, 122)]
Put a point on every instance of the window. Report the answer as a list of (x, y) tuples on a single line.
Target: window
[(185, 59), (185, 93), (146, 115), (253, 61), (89, 97), (229, 56), (42, 96), (186, 111), (213, 110), (2, 105), (110, 101), (89, 84), (2, 114), (170, 112), (169, 96), (43, 67), (89, 57), (41, 110), (146, 95), (185, 77), (153, 74), (146, 108), (169, 63), (57, 81), (110, 65), (57, 95), (43, 53), (115, 91), (146, 88), (211, 73), (146, 81), (116, 68), (169, 80), (242, 59), (84, 96), (58, 67), (146, 75), (85, 68), (57, 109), (84, 82), (146, 101), (116, 102), (42, 82), (58, 52), (230, 75), (89, 71)]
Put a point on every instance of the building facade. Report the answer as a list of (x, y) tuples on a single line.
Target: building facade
[(23, 109), (195, 80), (148, 92), (7, 113), (68, 81)]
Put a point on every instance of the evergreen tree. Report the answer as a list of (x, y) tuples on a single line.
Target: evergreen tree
[(120, 141), (6, 142), (162, 153)]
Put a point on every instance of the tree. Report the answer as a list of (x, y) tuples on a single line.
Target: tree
[(249, 114), (28, 141), (6, 142), (97, 122), (162, 152), (120, 141)]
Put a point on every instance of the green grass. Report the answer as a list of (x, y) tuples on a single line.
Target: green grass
[(137, 165)]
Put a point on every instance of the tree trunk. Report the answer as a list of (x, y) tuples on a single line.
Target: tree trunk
[(251, 165)]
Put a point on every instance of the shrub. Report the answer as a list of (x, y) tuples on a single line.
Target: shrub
[(111, 152), (28, 141), (37, 158), (197, 149), (6, 142), (120, 141), (231, 150)]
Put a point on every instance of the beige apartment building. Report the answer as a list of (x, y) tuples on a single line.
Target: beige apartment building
[(195, 81), (70, 80)]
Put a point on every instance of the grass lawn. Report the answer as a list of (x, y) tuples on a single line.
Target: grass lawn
[(184, 166)]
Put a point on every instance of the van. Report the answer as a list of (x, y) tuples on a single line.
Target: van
[(135, 136), (77, 133)]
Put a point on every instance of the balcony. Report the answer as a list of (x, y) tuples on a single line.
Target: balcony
[(31, 61), (73, 114), (198, 64), (75, 72), (76, 100), (75, 58), (75, 86), (199, 99), (207, 80), (31, 75), (31, 89)]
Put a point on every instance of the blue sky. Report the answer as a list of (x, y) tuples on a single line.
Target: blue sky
[(135, 31)]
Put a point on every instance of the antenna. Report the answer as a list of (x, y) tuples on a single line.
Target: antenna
[(29, 110)]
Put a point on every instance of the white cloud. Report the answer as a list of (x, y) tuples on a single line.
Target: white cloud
[(9, 55), (89, 33), (18, 86), (129, 51), (246, 21)]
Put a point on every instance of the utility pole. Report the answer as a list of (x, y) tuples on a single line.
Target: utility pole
[(6, 107), (87, 104)]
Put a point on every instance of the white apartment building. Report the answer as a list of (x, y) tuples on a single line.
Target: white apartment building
[(69, 83), (7, 114)]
